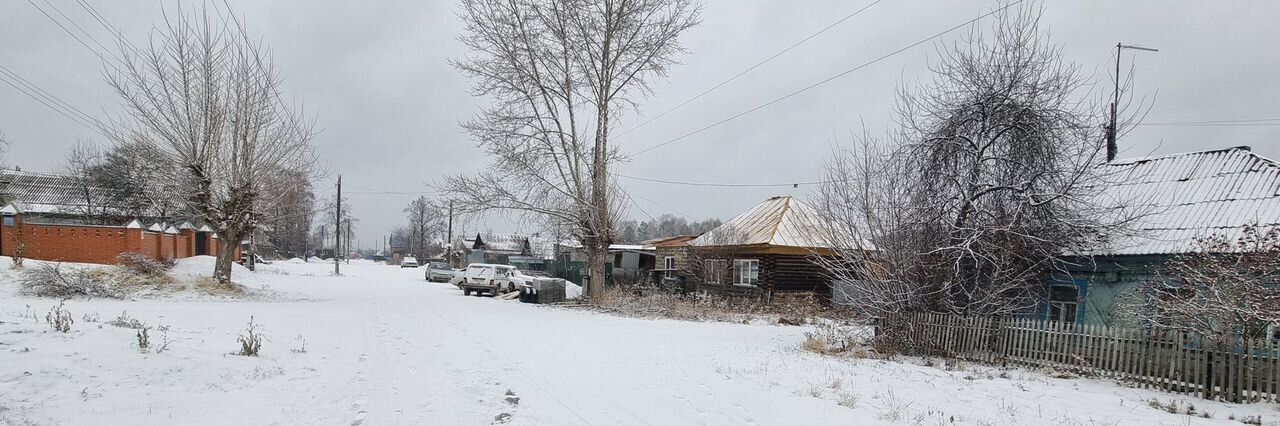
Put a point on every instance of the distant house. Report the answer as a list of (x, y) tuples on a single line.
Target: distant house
[(1185, 197), (670, 254), (767, 251), (525, 252)]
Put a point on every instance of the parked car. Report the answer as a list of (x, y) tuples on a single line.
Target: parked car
[(439, 271), (490, 278), (409, 262)]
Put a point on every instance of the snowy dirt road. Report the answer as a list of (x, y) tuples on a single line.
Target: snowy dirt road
[(382, 346)]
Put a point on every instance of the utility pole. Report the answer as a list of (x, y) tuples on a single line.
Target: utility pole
[(449, 242), (347, 250), (337, 234), (1115, 105)]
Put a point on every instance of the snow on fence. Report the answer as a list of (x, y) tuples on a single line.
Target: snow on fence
[(1174, 362)]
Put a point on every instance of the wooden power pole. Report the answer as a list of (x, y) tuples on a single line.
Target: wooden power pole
[(337, 226)]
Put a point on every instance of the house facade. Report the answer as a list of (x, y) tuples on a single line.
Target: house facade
[(1179, 199), (768, 251)]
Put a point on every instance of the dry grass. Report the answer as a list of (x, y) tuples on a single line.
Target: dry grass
[(653, 303)]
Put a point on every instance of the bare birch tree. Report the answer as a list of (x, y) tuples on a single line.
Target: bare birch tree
[(82, 169), (990, 179), (558, 72), (207, 97)]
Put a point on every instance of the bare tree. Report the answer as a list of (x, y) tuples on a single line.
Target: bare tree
[(82, 169), (288, 221), (1223, 290), (426, 222), (328, 221), (558, 72), (990, 179), (207, 97), (4, 150), (140, 182)]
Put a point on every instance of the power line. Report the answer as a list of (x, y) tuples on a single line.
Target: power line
[(753, 67), (725, 185), (828, 79), (637, 205), (660, 205), (119, 35), (49, 100), (1217, 123), (68, 31)]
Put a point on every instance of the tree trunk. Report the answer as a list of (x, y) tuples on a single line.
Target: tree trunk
[(595, 266), (226, 256)]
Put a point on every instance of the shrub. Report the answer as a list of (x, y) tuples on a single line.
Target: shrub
[(59, 317), (250, 341), (143, 264), (52, 280), (124, 321), (164, 338), (302, 346), (144, 340), (829, 337)]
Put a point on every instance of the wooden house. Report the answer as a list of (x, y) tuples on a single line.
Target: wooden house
[(767, 251), (1180, 198)]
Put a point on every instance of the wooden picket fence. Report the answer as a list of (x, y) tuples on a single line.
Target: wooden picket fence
[(1172, 362)]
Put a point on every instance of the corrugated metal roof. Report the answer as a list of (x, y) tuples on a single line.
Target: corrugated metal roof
[(1188, 196), (41, 189), (778, 221)]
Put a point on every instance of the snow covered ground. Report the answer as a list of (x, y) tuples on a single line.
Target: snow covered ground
[(383, 346)]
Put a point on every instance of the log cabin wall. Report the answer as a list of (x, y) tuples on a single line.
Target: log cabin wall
[(780, 274)]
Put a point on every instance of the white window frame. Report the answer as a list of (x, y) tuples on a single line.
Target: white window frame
[(669, 264), (746, 272), (713, 270)]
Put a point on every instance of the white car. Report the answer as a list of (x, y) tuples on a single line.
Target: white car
[(439, 271), (490, 278), (409, 262)]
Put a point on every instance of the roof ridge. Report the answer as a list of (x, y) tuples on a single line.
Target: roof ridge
[(782, 216), (1132, 160)]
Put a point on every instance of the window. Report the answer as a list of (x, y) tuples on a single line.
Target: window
[(8, 220), (669, 264), (714, 270), (746, 272), (1064, 301)]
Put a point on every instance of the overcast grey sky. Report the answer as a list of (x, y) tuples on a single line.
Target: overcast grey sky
[(375, 75)]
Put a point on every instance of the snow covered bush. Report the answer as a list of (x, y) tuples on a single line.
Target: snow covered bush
[(125, 321), (1224, 290), (250, 341), (144, 339), (143, 264), (59, 318), (829, 338), (53, 280)]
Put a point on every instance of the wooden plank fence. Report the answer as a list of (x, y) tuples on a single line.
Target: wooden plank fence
[(1173, 362)]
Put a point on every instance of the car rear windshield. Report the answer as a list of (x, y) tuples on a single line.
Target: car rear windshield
[(439, 265)]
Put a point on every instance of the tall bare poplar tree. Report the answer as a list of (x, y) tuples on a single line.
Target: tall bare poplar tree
[(558, 72), (207, 97)]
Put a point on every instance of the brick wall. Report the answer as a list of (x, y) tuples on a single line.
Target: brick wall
[(96, 244), (87, 244)]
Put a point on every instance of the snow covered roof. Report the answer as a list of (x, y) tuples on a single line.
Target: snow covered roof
[(44, 192), (778, 221), (1192, 195), (497, 242)]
